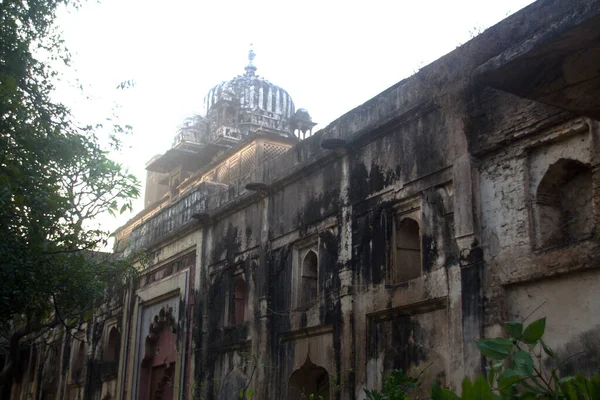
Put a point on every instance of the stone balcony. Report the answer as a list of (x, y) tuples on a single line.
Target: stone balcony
[(188, 138), (175, 216)]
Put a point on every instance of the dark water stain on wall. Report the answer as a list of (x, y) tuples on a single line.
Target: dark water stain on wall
[(228, 245), (581, 354), (372, 235), (472, 264), (364, 183), (399, 340), (430, 252), (317, 208), (331, 307), (407, 347), (66, 355), (279, 302)]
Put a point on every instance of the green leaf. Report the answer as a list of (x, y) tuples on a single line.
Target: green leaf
[(528, 395), (481, 389), (506, 384), (523, 363), (565, 379), (514, 329), (510, 372), (534, 331), (549, 352), (491, 376), (468, 391), (439, 393), (497, 349), (124, 208), (570, 392)]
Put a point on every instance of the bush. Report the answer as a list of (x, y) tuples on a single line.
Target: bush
[(514, 371)]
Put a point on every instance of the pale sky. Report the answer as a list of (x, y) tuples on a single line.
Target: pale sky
[(330, 56)]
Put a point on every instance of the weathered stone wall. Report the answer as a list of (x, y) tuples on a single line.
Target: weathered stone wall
[(445, 211)]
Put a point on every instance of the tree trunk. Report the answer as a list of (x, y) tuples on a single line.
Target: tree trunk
[(11, 363)]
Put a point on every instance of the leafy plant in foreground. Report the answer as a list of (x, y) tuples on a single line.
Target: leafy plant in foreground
[(395, 387), (515, 370)]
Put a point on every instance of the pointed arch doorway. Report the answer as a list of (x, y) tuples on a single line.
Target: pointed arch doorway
[(157, 371), (308, 379)]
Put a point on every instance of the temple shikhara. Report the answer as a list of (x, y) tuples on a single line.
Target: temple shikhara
[(284, 262)]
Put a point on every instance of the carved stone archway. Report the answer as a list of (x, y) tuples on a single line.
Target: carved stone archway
[(157, 371), (308, 379)]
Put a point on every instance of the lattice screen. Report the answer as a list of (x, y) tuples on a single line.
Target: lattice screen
[(234, 170), (273, 150), (247, 161), (221, 173)]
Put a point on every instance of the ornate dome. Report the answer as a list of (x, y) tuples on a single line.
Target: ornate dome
[(248, 103), (303, 115), (252, 92)]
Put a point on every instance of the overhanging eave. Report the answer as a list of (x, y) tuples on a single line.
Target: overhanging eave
[(559, 65)]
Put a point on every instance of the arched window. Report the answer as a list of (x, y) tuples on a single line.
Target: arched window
[(310, 278), (78, 363), (563, 204), (114, 342), (240, 301), (407, 257)]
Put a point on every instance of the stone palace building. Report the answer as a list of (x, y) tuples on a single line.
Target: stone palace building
[(285, 262)]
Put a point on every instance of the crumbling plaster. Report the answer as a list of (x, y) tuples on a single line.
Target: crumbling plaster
[(463, 164)]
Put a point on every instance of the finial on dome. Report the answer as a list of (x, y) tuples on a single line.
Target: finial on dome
[(250, 68)]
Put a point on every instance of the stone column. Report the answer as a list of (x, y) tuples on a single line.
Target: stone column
[(260, 333), (471, 264), (595, 161), (347, 379)]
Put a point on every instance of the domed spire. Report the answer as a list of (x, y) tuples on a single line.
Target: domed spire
[(250, 68)]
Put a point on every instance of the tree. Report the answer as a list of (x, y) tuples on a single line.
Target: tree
[(55, 178)]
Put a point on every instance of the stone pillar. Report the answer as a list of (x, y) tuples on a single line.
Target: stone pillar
[(595, 161), (260, 334), (347, 379), (197, 318), (469, 321), (207, 240)]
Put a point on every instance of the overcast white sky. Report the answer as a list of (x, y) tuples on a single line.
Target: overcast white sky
[(330, 56)]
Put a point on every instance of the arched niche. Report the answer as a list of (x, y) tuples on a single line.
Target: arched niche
[(240, 301), (157, 371), (78, 363), (563, 204), (310, 279), (26, 371), (113, 345), (407, 257), (235, 382), (308, 379)]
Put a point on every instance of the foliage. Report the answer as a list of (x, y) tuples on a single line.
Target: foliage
[(55, 178), (396, 387), (246, 393), (515, 370)]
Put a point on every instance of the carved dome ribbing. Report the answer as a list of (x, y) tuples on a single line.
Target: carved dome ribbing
[(252, 92)]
